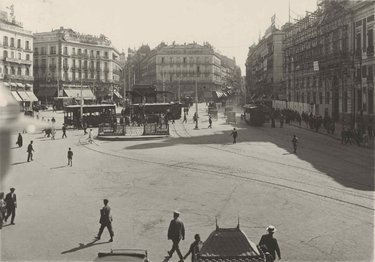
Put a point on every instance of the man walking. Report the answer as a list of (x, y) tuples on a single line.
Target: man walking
[(185, 118), (30, 151), (194, 248), (11, 205), (209, 122), (234, 135), (105, 220), (176, 232), (64, 131), (270, 242), (70, 157)]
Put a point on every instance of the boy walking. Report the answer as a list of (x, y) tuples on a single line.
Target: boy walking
[(70, 157)]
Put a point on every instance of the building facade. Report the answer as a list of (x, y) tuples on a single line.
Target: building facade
[(179, 68), (328, 60), (16, 59), (264, 65), (66, 60), (364, 62)]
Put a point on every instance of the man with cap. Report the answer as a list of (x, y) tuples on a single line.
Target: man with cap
[(176, 232), (105, 220), (270, 242), (11, 205)]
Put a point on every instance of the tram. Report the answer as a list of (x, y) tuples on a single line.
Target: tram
[(93, 115), (172, 110), (254, 114)]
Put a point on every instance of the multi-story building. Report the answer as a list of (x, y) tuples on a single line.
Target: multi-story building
[(65, 60), (16, 58), (364, 61), (328, 63), (264, 65), (179, 68)]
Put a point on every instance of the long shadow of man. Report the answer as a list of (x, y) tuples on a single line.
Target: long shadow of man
[(83, 246)]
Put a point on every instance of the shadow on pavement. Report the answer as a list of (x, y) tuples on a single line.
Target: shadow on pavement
[(350, 166), (83, 246), (59, 167), (18, 163), (15, 147)]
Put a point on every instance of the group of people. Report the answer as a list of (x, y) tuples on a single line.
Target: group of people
[(176, 233), (8, 207)]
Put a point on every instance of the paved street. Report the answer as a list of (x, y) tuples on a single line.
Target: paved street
[(321, 200)]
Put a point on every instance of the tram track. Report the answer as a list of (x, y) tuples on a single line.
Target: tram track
[(194, 168), (280, 163)]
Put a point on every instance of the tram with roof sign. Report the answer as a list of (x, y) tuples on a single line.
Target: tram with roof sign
[(93, 115)]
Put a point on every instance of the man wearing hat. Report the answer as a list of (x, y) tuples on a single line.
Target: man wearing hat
[(11, 204), (270, 242), (176, 232)]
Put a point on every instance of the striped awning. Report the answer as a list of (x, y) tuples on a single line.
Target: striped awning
[(29, 85), (24, 96), (76, 93), (20, 85), (32, 96), (13, 84), (16, 96)]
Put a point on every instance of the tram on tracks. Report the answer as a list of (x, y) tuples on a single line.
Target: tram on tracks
[(171, 110), (254, 114), (93, 115)]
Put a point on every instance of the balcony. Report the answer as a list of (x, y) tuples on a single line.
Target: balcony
[(65, 67), (18, 77), (18, 61), (52, 67)]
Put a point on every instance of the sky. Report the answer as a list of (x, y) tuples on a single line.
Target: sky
[(230, 26)]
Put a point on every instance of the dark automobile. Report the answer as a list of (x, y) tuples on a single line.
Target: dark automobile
[(125, 255)]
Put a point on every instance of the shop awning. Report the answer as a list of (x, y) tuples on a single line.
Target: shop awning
[(20, 85), (24, 96), (13, 84), (31, 95), (76, 93), (117, 93), (16, 96), (6, 84), (46, 92), (29, 85)]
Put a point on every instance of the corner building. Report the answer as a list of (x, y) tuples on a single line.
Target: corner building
[(16, 59), (174, 67), (64, 60)]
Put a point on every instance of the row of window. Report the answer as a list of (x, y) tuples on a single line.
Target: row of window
[(16, 71), (184, 60), (74, 51), (78, 76), (11, 43), (11, 54)]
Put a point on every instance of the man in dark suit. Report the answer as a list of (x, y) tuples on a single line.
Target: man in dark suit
[(11, 205), (105, 220), (30, 151), (176, 232), (270, 243)]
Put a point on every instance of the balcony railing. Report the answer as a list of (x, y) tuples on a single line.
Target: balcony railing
[(18, 61)]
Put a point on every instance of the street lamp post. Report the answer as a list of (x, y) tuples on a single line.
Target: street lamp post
[(81, 99), (196, 99)]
